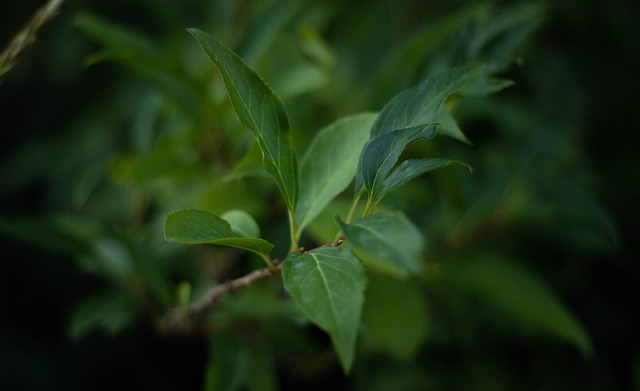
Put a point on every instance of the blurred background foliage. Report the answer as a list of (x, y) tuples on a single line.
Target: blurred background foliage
[(114, 117)]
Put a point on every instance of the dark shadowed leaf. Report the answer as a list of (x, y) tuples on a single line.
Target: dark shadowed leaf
[(409, 169), (380, 155), (420, 105), (518, 292), (328, 286)]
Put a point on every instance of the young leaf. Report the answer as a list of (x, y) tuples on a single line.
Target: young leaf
[(380, 155), (420, 105), (194, 226), (259, 109), (388, 242), (409, 169), (330, 164), (328, 286)]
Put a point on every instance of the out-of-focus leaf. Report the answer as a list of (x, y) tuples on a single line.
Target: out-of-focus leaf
[(263, 372), (121, 42), (183, 293), (228, 368), (328, 286), (387, 241), (499, 35), (420, 105), (519, 292), (249, 165), (193, 226), (241, 222), (313, 45), (142, 54), (109, 312), (300, 79), (265, 28), (261, 111), (329, 164), (395, 314)]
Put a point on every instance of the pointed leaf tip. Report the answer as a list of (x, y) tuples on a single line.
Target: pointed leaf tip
[(260, 110), (328, 286)]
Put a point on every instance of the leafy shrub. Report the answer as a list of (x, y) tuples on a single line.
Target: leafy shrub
[(393, 269)]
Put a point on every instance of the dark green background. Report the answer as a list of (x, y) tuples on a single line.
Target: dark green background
[(579, 73)]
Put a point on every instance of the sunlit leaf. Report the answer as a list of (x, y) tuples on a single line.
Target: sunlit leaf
[(388, 242), (329, 164), (328, 286), (259, 109), (193, 226)]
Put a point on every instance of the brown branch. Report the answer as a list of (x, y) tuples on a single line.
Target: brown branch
[(182, 317), (27, 36)]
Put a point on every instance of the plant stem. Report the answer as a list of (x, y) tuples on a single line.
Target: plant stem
[(354, 204), (268, 261), (368, 208), (181, 316), (293, 232)]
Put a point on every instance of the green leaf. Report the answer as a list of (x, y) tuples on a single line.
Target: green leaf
[(448, 126), (110, 312), (519, 292), (241, 222), (420, 105), (409, 169), (388, 242), (381, 154), (395, 315), (330, 164), (328, 286), (228, 368), (259, 109), (194, 226)]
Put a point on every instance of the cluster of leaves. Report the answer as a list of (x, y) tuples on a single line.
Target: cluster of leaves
[(328, 283), (191, 173)]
